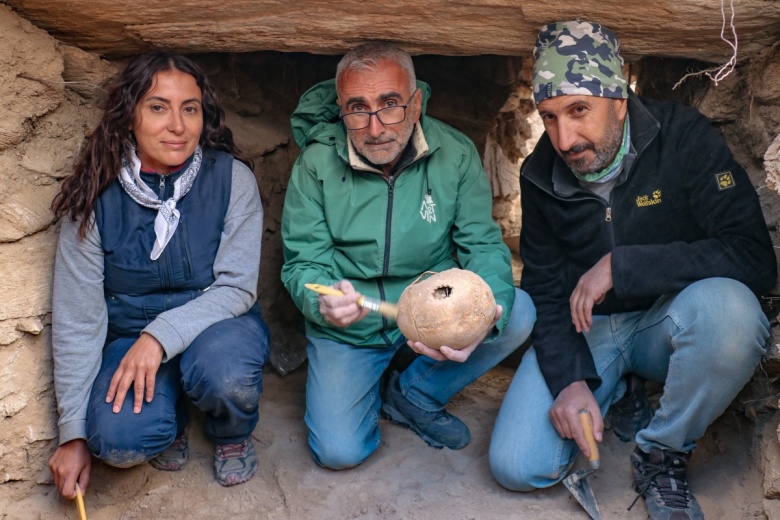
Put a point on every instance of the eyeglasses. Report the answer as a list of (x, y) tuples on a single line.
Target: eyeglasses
[(387, 116)]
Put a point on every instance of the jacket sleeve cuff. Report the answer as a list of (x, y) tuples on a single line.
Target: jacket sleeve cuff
[(556, 387), (73, 430), (172, 343)]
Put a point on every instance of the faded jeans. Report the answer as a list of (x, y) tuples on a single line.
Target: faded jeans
[(343, 386), (704, 343), (222, 374)]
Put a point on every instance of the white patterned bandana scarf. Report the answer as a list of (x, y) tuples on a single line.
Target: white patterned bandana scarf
[(167, 219)]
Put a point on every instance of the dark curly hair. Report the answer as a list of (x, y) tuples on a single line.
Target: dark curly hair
[(101, 157)]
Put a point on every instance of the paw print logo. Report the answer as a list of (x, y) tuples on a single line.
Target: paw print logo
[(725, 180), (657, 194)]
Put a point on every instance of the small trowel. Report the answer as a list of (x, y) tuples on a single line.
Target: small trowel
[(577, 483)]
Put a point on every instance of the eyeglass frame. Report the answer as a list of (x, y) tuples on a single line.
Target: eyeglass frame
[(375, 113)]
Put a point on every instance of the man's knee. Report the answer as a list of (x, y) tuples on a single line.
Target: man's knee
[(523, 317), (509, 477), (728, 313), (516, 475), (520, 324), (336, 454), (722, 302)]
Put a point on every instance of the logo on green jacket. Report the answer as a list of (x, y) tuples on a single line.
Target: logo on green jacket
[(427, 210)]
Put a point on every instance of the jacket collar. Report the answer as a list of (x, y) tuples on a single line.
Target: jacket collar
[(358, 162)]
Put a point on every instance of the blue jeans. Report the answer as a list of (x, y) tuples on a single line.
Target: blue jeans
[(343, 386), (221, 372), (703, 343)]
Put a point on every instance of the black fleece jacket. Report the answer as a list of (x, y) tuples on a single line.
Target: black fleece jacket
[(684, 211)]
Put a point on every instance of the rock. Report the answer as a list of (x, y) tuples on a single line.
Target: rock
[(770, 450), (27, 212), (772, 164), (27, 267), (439, 27), (85, 72), (32, 71)]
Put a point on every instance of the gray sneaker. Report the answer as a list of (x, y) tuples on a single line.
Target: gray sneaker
[(235, 463), (661, 477), (438, 429), (174, 457)]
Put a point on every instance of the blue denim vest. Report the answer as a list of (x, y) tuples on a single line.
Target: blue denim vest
[(137, 289)]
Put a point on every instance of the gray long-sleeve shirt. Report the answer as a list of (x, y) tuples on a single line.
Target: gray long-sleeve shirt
[(80, 320)]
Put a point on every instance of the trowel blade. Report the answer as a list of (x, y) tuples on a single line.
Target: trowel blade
[(577, 483)]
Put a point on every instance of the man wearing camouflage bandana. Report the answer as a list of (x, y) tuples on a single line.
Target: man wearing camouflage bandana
[(643, 244)]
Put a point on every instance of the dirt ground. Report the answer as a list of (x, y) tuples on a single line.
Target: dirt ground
[(404, 479)]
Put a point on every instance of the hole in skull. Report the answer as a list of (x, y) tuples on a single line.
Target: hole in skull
[(442, 292)]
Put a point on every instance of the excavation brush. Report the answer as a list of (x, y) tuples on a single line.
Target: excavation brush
[(387, 310)]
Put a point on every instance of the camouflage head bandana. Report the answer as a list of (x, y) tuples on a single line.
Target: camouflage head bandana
[(577, 58)]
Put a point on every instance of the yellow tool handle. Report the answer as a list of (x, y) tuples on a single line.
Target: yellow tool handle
[(327, 290), (587, 429), (80, 503), (385, 309)]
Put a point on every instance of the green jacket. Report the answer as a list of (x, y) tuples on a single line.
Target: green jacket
[(343, 220)]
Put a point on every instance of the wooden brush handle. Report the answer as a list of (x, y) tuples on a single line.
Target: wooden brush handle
[(587, 429), (327, 290), (385, 309)]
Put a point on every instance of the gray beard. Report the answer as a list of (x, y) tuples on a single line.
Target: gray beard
[(613, 139)]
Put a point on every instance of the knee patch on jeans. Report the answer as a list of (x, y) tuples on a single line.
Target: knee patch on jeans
[(121, 458), (242, 396)]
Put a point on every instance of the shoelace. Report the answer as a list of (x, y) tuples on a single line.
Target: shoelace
[(673, 490), (229, 451)]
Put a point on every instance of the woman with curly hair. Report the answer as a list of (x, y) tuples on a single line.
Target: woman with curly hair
[(155, 282)]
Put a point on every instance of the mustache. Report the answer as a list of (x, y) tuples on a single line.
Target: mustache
[(379, 140), (577, 148)]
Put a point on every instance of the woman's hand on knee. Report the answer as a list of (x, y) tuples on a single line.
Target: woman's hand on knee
[(71, 464), (139, 368), (565, 414)]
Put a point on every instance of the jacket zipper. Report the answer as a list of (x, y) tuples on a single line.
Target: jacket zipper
[(608, 218), (165, 268), (386, 259), (388, 224), (607, 204)]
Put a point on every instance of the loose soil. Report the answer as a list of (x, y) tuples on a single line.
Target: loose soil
[(404, 479)]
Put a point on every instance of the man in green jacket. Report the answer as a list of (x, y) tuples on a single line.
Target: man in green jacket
[(381, 194)]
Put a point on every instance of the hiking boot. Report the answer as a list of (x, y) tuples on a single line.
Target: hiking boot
[(633, 412), (438, 429), (174, 457), (235, 463), (661, 478)]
